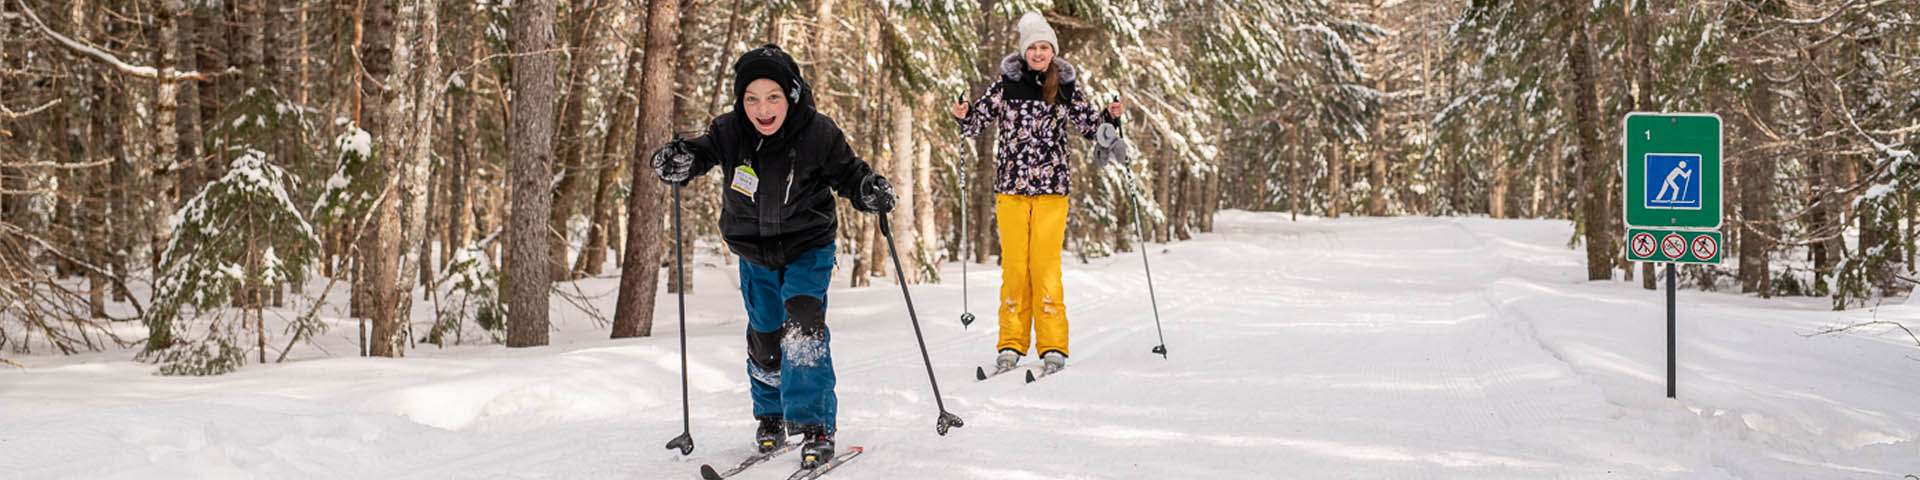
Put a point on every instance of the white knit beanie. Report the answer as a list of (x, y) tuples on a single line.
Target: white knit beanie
[(1034, 28)]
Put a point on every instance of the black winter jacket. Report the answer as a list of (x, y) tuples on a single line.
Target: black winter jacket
[(791, 211)]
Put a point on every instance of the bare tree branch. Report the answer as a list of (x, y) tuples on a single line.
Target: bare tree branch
[(49, 248), (455, 73), (580, 300), (297, 336), (1910, 334), (11, 115), (44, 306), (142, 71), (65, 166)]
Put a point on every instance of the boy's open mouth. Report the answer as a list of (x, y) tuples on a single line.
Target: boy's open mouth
[(765, 122)]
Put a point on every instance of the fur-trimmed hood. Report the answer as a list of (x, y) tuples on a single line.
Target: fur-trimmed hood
[(1014, 67), (1032, 130)]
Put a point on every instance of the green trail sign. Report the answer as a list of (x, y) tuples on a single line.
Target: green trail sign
[(1670, 197), (1672, 171)]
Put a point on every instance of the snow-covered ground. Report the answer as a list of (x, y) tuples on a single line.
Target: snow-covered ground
[(1352, 348)]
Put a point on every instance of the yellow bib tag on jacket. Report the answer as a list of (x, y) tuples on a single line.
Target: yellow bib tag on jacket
[(744, 181)]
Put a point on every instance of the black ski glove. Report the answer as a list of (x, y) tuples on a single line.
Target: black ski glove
[(674, 162), (876, 195)]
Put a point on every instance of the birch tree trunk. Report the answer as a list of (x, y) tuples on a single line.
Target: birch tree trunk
[(382, 256), (923, 195), (416, 109), (902, 221)]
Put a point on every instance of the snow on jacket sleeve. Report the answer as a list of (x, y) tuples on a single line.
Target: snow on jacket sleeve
[(983, 111)]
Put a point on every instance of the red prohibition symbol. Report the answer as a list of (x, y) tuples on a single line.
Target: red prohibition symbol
[(1643, 244), (1674, 246), (1704, 247)]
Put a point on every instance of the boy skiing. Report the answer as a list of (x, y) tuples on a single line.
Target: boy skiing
[(781, 161)]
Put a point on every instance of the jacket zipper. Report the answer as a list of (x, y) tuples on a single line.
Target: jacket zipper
[(786, 196), (756, 159)]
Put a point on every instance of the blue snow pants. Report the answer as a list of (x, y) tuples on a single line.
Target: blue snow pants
[(787, 356)]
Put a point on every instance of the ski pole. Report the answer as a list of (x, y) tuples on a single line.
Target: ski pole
[(684, 442), (1686, 188), (1134, 194), (947, 420), (966, 310)]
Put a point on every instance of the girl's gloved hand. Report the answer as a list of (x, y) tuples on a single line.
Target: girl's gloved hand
[(1108, 146)]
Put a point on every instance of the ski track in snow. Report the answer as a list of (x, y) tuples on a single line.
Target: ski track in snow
[(1352, 348)]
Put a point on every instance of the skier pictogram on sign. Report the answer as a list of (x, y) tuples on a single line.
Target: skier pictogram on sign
[(1704, 247), (1670, 181), (1674, 246), (1643, 244)]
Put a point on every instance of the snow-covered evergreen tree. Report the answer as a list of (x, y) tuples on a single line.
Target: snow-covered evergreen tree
[(241, 233)]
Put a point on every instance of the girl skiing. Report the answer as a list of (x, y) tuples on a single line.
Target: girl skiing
[(779, 158), (1035, 97)]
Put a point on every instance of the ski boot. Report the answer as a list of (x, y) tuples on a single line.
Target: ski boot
[(1007, 359), (1053, 361), (817, 448), (771, 435)]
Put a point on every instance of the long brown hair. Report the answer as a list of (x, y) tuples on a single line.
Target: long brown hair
[(1050, 83)]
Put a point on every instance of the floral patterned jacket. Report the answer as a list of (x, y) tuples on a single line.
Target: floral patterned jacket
[(1033, 147)]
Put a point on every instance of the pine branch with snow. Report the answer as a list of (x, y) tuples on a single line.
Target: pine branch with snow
[(240, 235)]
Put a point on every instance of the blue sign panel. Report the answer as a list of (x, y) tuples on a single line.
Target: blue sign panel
[(1673, 181)]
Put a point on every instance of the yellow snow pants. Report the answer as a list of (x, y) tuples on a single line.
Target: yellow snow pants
[(1033, 230)]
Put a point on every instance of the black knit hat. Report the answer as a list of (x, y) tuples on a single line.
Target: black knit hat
[(772, 63)]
